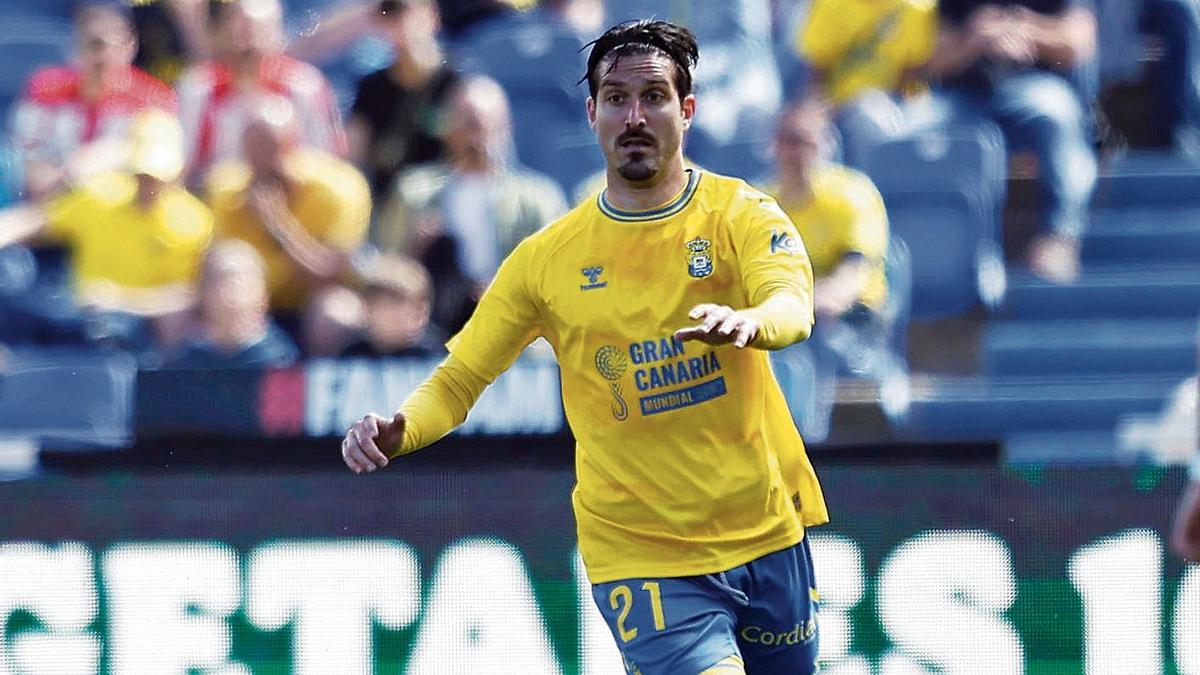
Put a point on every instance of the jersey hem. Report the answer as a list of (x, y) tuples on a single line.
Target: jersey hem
[(723, 563)]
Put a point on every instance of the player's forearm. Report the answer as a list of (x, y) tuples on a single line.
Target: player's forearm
[(439, 405), (1185, 536), (784, 318)]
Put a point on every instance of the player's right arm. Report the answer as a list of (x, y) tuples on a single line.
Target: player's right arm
[(506, 320), (1185, 536)]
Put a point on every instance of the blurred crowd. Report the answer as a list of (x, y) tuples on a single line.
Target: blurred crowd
[(240, 183)]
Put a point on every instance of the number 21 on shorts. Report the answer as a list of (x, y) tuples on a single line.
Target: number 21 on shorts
[(620, 598)]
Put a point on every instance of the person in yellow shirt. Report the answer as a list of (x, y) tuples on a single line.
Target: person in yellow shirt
[(867, 57), (841, 218), (135, 236), (304, 210), (661, 298)]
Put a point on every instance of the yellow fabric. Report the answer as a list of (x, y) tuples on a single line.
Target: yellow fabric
[(332, 202), (845, 214), (687, 458), (438, 405), (116, 245), (867, 44)]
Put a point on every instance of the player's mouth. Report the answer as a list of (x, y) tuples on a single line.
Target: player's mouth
[(635, 141)]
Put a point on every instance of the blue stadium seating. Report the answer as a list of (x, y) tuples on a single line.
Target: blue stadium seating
[(943, 191), (1064, 364), (26, 44)]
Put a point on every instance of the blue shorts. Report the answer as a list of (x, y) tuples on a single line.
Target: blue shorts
[(763, 613)]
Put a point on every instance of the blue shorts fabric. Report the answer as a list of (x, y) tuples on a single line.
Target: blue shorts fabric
[(763, 612)]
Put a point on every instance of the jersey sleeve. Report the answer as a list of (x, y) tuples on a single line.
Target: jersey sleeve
[(507, 318), (774, 265), (439, 405)]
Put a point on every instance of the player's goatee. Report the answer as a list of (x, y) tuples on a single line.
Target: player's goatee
[(636, 170)]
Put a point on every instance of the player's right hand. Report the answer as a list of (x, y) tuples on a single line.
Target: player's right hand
[(363, 448)]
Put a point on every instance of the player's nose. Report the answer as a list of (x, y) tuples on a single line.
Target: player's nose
[(634, 117)]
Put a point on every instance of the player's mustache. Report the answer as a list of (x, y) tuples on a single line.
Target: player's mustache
[(634, 135)]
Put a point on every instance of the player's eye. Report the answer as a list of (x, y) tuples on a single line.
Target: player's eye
[(655, 97), (614, 98)]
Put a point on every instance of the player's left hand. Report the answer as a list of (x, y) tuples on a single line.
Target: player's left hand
[(719, 325)]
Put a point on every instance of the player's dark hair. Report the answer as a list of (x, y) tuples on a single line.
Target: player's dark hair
[(643, 37)]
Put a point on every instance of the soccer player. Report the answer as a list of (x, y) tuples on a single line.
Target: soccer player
[(660, 297), (1185, 533)]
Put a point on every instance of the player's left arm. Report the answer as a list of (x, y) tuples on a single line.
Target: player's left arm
[(778, 279)]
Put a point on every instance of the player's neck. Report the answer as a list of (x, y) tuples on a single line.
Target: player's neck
[(628, 196)]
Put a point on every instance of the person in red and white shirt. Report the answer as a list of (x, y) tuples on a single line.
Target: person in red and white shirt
[(216, 98), (73, 119)]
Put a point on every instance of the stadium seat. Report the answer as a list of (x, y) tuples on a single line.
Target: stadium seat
[(26, 44), (944, 190)]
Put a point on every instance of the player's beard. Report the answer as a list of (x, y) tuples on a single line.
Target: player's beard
[(637, 168)]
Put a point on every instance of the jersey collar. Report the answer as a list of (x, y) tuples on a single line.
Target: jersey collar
[(665, 211)]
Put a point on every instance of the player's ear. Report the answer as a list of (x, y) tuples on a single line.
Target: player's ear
[(591, 111), (688, 108)]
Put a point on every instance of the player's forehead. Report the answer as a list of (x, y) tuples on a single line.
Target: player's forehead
[(634, 71)]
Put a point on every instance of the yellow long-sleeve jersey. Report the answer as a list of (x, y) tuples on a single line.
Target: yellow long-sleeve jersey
[(688, 461)]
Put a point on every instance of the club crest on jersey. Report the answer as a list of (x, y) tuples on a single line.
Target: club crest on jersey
[(593, 275), (700, 261)]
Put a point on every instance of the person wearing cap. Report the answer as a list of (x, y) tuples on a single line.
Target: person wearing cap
[(661, 298), (71, 119), (135, 236), (399, 299)]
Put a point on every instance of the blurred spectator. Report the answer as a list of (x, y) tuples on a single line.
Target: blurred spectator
[(462, 17), (171, 36), (304, 210), (399, 299), (336, 316), (72, 117), (585, 17), (866, 56), (234, 329), (1177, 77), (217, 98), (135, 236), (843, 225), (399, 112), (462, 217), (1014, 62)]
